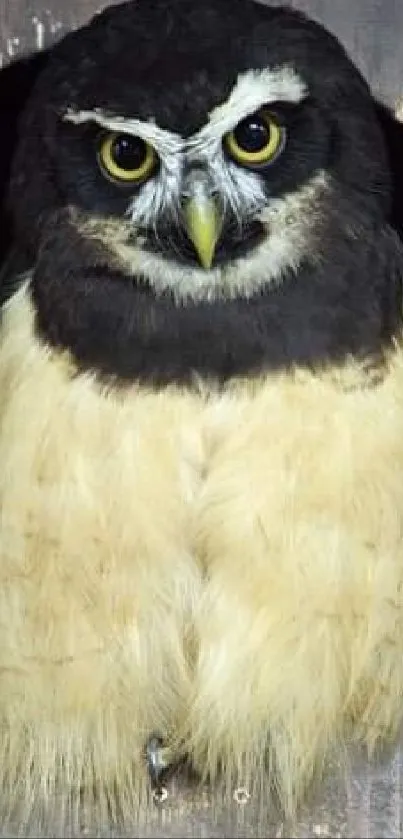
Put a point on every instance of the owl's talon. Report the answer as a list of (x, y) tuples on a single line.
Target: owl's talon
[(159, 759)]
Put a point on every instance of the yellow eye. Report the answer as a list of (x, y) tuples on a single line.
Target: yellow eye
[(256, 141), (125, 158)]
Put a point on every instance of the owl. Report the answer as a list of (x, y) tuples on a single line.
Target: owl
[(201, 413)]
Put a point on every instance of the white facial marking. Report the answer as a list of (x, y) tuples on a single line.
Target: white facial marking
[(253, 89), (164, 142), (290, 223), (162, 190), (239, 188)]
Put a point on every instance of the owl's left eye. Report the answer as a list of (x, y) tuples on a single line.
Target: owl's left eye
[(256, 141), (125, 158)]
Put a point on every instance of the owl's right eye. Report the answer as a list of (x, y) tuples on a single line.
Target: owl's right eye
[(125, 158), (256, 141)]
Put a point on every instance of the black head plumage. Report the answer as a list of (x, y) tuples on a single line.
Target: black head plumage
[(174, 64)]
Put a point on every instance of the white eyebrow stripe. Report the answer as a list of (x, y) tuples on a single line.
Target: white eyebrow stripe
[(252, 90), (165, 142)]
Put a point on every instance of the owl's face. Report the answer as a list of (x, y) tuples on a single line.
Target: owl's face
[(210, 146)]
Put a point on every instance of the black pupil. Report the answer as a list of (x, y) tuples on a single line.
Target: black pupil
[(129, 152), (252, 134)]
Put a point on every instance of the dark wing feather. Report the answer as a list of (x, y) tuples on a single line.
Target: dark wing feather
[(393, 133), (16, 83)]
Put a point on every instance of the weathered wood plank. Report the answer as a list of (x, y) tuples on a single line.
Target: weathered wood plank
[(27, 25)]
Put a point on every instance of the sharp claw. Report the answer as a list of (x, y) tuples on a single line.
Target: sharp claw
[(159, 758)]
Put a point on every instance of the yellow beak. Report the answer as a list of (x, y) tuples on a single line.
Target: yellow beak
[(203, 227)]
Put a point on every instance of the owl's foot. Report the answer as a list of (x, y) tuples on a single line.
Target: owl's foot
[(160, 760)]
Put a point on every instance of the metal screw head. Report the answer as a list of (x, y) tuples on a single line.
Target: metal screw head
[(241, 796), (160, 794)]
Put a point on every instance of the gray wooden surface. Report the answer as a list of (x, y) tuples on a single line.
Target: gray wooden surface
[(363, 801), (358, 800)]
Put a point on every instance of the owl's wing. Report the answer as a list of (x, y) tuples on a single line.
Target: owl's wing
[(16, 83), (14, 271), (393, 133)]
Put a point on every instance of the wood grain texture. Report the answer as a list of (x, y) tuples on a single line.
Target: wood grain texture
[(372, 31)]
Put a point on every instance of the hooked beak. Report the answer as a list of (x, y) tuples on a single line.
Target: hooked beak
[(203, 225)]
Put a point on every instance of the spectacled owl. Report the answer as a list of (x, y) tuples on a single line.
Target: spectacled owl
[(201, 414)]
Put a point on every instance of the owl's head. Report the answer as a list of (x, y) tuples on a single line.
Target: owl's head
[(210, 146)]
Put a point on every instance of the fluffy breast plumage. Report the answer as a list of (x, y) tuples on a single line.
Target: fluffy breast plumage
[(201, 410), (156, 545)]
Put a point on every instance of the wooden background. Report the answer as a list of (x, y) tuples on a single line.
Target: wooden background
[(372, 31)]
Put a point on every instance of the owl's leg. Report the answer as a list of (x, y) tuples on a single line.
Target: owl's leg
[(161, 762), (301, 621)]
